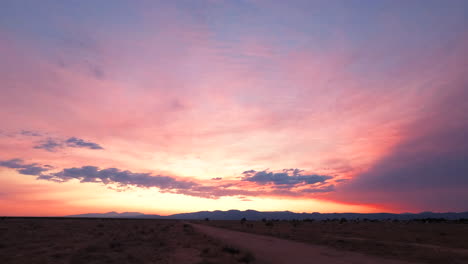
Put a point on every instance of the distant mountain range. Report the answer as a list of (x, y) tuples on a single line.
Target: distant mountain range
[(110, 215), (284, 215)]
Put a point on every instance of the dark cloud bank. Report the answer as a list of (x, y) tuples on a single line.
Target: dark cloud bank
[(429, 169), (280, 184)]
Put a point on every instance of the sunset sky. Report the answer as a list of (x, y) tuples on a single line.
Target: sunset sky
[(163, 107)]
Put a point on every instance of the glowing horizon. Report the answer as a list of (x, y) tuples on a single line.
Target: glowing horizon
[(162, 108)]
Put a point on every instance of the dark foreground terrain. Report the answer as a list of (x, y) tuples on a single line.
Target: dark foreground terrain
[(94, 240), (424, 241), (62, 240)]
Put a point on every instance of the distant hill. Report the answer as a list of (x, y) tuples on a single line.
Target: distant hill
[(282, 215), (109, 215)]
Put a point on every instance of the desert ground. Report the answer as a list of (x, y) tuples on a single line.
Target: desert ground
[(77, 241), (93, 240), (273, 250), (409, 241)]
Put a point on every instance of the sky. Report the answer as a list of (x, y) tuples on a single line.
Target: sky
[(164, 107)]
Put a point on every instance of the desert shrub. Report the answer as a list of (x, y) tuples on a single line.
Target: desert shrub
[(133, 259), (58, 255), (187, 245), (115, 245), (247, 258), (35, 226), (206, 250), (188, 229), (231, 250), (243, 220), (295, 223), (91, 248)]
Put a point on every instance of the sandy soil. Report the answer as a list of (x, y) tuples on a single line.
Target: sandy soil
[(413, 241), (278, 251), (77, 241)]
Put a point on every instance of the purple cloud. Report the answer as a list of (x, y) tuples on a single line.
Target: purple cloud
[(30, 133), (286, 178), (49, 144), (80, 143), (126, 178), (119, 177), (53, 145), (26, 169)]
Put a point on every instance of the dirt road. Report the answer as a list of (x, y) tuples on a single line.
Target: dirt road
[(278, 251)]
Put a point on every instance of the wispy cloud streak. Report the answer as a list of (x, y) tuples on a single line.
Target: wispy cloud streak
[(53, 145)]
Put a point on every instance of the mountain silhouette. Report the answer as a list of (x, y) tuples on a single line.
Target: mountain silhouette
[(280, 215), (109, 215)]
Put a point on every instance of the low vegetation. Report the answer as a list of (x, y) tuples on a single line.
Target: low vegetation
[(60, 240), (421, 240)]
